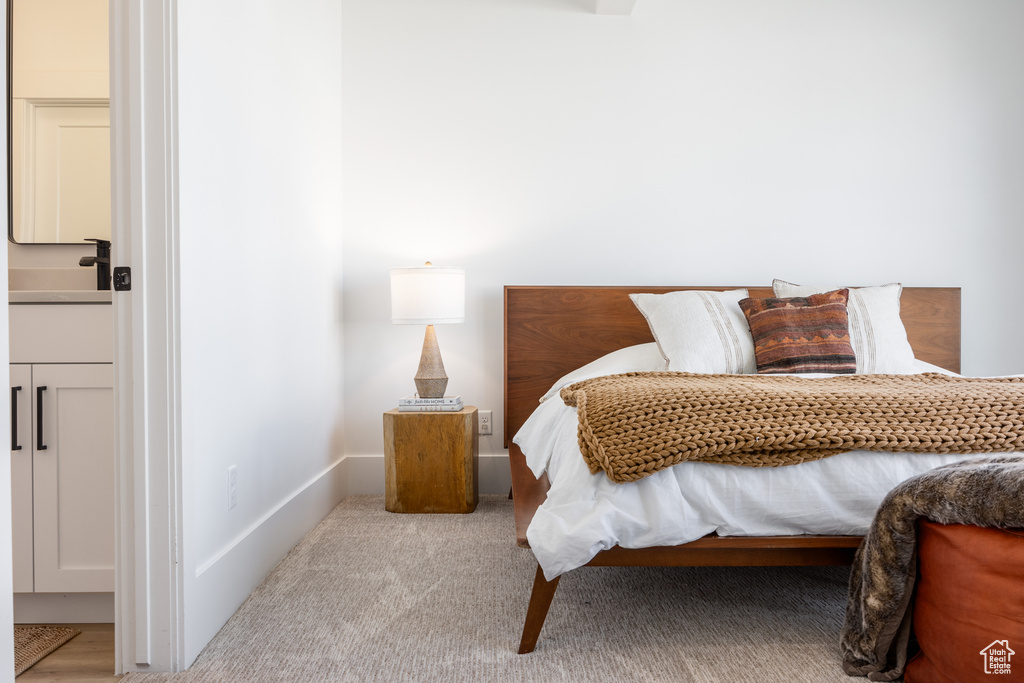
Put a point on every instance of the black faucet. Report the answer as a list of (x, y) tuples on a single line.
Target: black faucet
[(102, 262)]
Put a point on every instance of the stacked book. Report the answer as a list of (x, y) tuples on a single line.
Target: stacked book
[(415, 404)]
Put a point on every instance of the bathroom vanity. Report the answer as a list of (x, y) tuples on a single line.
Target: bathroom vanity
[(61, 327), (62, 440)]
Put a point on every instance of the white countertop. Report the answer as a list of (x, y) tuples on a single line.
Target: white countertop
[(67, 296)]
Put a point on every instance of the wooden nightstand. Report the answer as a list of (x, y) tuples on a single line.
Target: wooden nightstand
[(431, 461)]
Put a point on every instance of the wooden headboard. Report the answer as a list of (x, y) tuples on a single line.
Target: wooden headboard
[(550, 331)]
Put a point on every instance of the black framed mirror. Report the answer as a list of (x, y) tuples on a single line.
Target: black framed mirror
[(58, 121)]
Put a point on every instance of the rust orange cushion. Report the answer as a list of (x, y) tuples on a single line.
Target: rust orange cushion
[(969, 605), (801, 334)]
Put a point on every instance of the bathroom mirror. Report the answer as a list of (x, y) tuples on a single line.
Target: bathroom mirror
[(58, 113)]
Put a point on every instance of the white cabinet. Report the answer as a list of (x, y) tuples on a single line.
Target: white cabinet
[(21, 479), (62, 467)]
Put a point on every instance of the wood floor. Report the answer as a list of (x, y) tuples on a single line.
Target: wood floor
[(86, 658)]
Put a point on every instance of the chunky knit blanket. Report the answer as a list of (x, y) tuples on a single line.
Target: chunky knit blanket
[(983, 491), (633, 425)]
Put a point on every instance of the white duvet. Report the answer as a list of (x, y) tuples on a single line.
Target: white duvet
[(585, 513)]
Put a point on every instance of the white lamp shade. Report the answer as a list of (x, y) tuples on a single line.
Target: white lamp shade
[(428, 295)]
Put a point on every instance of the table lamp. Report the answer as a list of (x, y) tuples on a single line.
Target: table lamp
[(428, 295)]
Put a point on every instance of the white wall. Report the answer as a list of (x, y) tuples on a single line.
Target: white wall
[(261, 265), (694, 142), (6, 559)]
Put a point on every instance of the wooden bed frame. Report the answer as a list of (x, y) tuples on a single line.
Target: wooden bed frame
[(550, 331)]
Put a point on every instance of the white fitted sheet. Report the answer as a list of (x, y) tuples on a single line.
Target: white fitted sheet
[(585, 513)]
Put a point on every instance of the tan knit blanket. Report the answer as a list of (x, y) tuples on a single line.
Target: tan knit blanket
[(635, 424)]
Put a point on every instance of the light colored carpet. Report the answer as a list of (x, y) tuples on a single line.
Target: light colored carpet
[(375, 596), (32, 643)]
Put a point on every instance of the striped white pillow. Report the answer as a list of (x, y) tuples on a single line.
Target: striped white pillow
[(700, 331), (877, 334)]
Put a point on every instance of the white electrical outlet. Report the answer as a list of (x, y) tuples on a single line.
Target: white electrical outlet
[(485, 425), (232, 486)]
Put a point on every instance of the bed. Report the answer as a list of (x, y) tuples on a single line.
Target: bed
[(549, 331)]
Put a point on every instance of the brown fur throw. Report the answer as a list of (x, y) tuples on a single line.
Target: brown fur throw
[(983, 491), (635, 424)]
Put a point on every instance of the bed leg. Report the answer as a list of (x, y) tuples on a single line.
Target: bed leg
[(540, 601)]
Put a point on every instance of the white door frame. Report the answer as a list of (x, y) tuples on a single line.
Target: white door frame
[(147, 378)]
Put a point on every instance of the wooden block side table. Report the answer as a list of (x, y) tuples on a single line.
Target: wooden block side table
[(431, 461)]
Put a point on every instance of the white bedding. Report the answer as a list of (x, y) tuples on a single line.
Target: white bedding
[(586, 513)]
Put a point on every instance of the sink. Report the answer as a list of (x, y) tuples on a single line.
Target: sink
[(51, 279), (54, 285)]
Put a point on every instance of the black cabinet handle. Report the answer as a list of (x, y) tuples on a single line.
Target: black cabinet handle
[(39, 419), (14, 419)]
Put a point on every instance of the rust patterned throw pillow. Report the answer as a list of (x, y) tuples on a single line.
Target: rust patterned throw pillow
[(801, 334)]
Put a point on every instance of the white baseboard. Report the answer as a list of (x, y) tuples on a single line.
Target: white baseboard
[(222, 584), (366, 474), (495, 475), (63, 608)]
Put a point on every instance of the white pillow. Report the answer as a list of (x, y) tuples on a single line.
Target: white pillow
[(921, 366), (877, 334), (699, 331), (639, 358)]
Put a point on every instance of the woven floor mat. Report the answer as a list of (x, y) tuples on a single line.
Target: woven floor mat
[(32, 643)]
